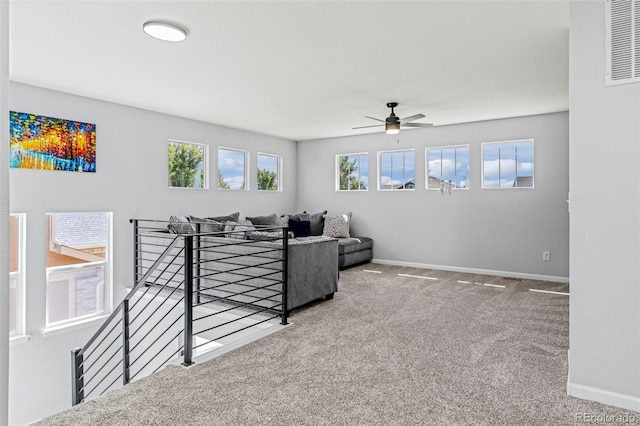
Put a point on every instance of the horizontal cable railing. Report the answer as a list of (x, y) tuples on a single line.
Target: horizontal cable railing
[(192, 292)]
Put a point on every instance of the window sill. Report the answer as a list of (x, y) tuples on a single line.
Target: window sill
[(19, 340), (59, 329)]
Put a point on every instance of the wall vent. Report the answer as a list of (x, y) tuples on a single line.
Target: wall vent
[(622, 41)]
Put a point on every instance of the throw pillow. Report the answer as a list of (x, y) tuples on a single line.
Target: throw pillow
[(283, 220), (317, 222), (207, 225), (239, 230), (300, 228), (233, 217), (270, 220), (299, 216), (337, 226), (180, 225)]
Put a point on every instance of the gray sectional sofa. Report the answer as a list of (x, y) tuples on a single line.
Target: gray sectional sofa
[(319, 245), (312, 267)]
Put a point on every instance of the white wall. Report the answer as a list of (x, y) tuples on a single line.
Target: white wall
[(131, 182), (4, 210), (604, 359), (479, 229)]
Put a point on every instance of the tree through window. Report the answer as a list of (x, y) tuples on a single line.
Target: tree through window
[(268, 172), (353, 172), (187, 165)]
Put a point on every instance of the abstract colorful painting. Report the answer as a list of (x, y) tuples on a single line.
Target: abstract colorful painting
[(47, 143)]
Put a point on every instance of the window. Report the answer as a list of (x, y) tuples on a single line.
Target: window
[(188, 165), (396, 170), (78, 266), (232, 169), (507, 164), (268, 172), (16, 275), (352, 172), (448, 165)]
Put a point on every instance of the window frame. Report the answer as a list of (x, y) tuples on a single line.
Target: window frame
[(426, 165), (20, 278), (533, 161), (107, 271), (379, 177), (246, 169), (278, 171), (205, 164), (337, 175)]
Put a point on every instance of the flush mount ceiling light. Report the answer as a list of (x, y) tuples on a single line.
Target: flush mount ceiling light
[(164, 31)]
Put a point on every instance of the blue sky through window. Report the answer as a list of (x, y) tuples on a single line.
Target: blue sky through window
[(507, 164), (397, 169), (448, 164), (231, 165)]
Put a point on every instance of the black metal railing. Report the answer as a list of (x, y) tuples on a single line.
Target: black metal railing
[(192, 292)]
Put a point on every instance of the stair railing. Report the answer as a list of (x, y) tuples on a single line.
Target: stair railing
[(173, 274)]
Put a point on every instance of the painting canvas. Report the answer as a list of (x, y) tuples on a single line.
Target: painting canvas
[(47, 143)]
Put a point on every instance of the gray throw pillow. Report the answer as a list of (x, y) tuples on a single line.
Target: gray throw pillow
[(270, 220), (207, 225), (317, 222), (233, 217)]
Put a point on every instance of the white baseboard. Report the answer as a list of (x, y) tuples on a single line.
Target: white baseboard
[(602, 396), (508, 274)]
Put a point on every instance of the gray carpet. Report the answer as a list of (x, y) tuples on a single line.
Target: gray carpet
[(386, 350)]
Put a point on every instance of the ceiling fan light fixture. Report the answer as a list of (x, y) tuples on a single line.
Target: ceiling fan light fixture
[(164, 31), (392, 128)]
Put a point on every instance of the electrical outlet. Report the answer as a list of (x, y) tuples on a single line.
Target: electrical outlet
[(546, 256)]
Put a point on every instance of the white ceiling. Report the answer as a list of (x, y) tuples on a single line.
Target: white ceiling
[(302, 69)]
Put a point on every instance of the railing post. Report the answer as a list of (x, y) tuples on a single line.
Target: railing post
[(188, 300), (197, 262), (125, 342), (77, 379), (285, 273), (136, 241)]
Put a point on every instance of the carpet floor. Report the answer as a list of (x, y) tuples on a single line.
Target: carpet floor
[(389, 349)]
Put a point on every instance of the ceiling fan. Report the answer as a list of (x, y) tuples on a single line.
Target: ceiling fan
[(393, 123)]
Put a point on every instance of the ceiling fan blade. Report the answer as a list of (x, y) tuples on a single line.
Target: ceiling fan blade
[(364, 127), (412, 118), (417, 124), (377, 119)]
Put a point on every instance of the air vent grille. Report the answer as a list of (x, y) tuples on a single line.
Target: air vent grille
[(623, 41)]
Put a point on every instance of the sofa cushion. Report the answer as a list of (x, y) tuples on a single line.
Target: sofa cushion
[(354, 244), (270, 220), (300, 228), (337, 226)]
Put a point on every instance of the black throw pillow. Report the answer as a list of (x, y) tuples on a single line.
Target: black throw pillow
[(300, 228)]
